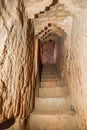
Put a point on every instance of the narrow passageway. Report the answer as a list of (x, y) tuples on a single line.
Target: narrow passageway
[(53, 108), (43, 64), (47, 52)]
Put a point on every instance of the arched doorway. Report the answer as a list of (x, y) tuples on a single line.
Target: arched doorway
[(47, 52)]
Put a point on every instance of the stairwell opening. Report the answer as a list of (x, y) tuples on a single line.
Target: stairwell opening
[(53, 103), (52, 49), (19, 68), (47, 50)]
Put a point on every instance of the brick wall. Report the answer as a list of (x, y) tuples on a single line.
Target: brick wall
[(47, 52)]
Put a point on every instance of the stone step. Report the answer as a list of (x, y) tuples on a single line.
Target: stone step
[(48, 71), (49, 67), (53, 92), (49, 79), (52, 68), (48, 84), (49, 75), (40, 121), (52, 83), (61, 104)]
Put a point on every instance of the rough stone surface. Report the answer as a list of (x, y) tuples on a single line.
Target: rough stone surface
[(65, 23), (16, 61), (77, 70), (34, 7), (72, 65)]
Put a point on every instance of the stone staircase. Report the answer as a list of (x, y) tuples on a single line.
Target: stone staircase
[(53, 107)]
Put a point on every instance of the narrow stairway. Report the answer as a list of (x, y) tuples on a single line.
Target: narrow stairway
[(53, 108)]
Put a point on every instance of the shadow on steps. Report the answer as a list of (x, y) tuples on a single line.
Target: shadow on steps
[(7, 124)]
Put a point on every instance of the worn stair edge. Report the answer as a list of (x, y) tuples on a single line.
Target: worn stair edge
[(67, 112), (53, 122), (53, 92), (52, 83), (53, 104)]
